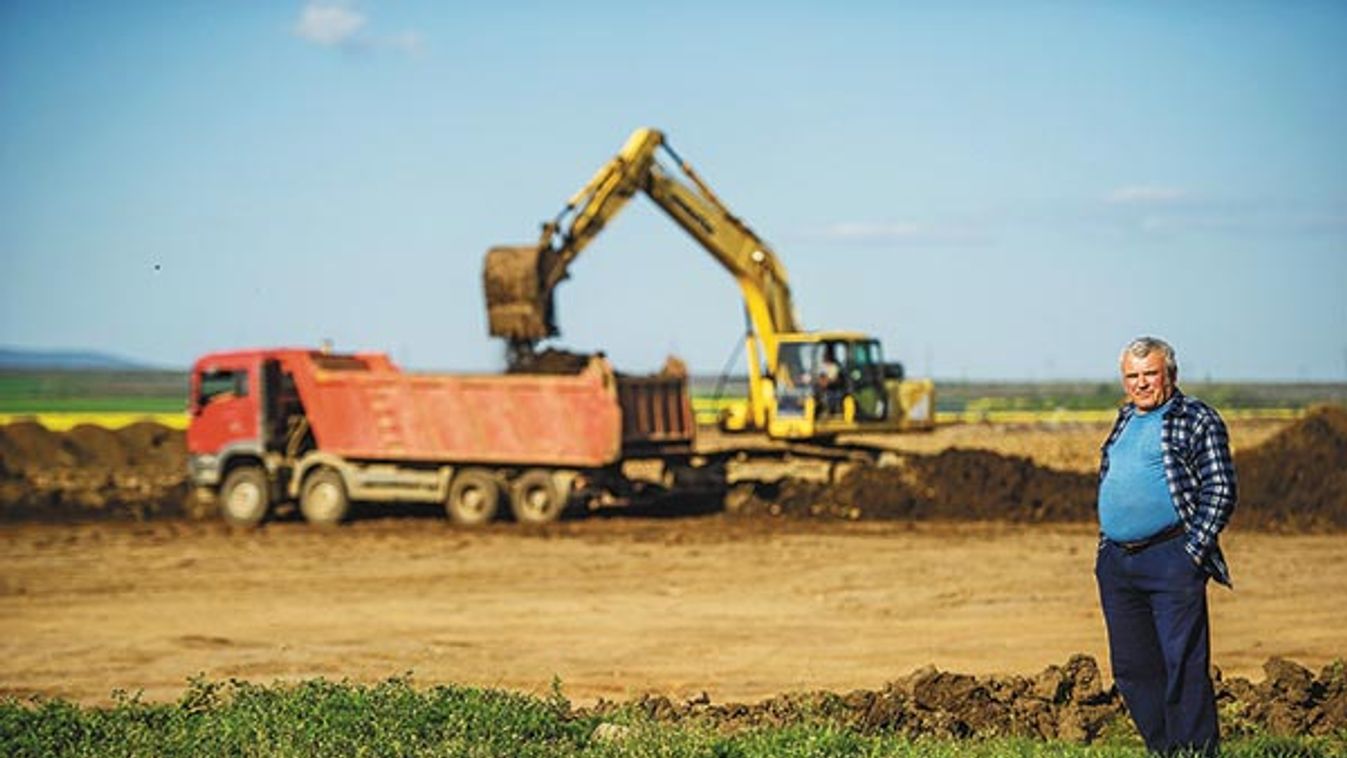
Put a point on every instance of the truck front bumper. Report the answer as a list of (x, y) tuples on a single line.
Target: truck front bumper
[(204, 470)]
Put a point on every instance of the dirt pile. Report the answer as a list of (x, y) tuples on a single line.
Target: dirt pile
[(551, 361), (1296, 481), (1061, 702), (1291, 700), (138, 471), (955, 484)]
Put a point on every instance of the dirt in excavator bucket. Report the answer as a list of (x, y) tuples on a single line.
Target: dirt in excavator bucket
[(551, 361), (517, 308)]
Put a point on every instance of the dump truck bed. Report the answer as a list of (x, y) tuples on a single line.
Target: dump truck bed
[(364, 408)]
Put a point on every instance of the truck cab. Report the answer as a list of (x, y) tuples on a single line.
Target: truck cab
[(243, 412)]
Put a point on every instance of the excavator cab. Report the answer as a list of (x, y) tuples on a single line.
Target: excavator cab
[(827, 383)]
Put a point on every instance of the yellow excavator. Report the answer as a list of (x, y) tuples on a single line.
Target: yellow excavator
[(802, 385)]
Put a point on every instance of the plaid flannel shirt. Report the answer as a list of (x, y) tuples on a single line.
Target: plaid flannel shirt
[(1200, 473)]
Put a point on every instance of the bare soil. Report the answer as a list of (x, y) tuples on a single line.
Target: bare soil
[(973, 558), (738, 608)]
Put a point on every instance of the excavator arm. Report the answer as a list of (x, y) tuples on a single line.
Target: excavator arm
[(520, 281)]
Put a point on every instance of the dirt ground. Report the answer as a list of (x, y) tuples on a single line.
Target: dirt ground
[(107, 582), (739, 608)]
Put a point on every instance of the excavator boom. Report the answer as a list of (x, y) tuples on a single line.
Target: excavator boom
[(520, 280)]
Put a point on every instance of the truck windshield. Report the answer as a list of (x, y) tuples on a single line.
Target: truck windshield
[(220, 382)]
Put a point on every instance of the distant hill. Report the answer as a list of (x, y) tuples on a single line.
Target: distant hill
[(63, 360)]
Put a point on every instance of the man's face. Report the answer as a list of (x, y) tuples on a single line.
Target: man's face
[(1145, 380)]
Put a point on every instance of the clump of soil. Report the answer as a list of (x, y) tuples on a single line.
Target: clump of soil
[(1296, 481), (1291, 700), (1062, 702), (138, 471)]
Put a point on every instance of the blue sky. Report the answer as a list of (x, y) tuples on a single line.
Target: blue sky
[(997, 190)]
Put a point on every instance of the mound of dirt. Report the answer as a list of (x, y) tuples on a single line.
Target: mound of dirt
[(551, 361), (1296, 481), (1061, 702), (155, 445), (28, 445), (94, 446), (955, 484), (91, 472)]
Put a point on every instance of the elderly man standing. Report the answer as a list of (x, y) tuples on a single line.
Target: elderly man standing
[(1166, 489)]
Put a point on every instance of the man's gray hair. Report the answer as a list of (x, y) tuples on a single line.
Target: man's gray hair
[(1144, 346)]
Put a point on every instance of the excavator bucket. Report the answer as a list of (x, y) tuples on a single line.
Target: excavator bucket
[(517, 307)]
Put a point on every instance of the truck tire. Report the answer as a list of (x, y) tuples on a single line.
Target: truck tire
[(474, 497), (323, 499), (245, 498), (535, 499)]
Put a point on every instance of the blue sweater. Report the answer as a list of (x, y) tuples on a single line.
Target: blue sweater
[(1134, 499)]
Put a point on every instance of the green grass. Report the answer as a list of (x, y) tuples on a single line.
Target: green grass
[(157, 391), (1054, 395), (92, 391), (393, 718), (958, 396)]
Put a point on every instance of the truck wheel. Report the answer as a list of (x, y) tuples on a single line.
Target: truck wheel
[(474, 497), (245, 496), (535, 499), (323, 500)]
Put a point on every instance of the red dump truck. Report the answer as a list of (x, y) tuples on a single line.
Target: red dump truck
[(322, 429)]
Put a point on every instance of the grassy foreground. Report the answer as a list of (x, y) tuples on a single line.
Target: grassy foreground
[(322, 718)]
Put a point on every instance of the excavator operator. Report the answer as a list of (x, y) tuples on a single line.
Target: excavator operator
[(828, 384)]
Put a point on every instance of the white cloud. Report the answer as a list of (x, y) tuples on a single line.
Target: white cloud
[(1147, 194), (334, 23), (330, 25)]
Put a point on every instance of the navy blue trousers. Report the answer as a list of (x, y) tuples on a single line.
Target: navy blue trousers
[(1155, 607)]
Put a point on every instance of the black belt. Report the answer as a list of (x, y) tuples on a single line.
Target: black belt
[(1136, 546)]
